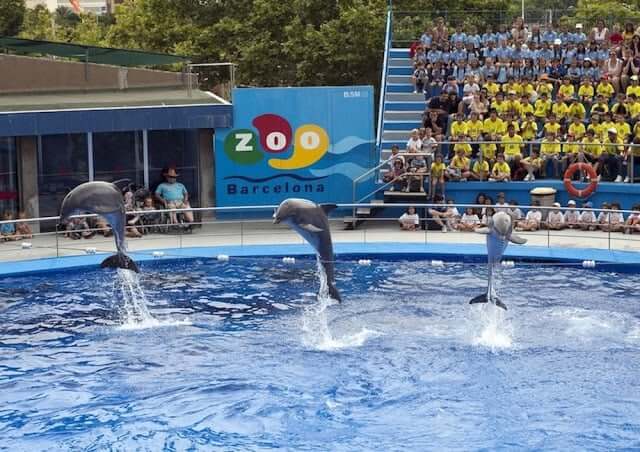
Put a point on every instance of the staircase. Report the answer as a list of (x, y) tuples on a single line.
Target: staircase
[(402, 108)]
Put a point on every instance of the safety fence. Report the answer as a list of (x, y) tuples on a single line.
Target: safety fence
[(254, 226)]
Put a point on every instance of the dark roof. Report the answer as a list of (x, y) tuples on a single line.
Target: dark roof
[(91, 54)]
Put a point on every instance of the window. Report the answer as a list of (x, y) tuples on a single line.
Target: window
[(118, 155), (62, 165), (177, 148), (8, 175)]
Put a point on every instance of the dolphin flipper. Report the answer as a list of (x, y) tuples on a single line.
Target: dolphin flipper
[(483, 231), (333, 293), (311, 228), (120, 260), (483, 299), (515, 238)]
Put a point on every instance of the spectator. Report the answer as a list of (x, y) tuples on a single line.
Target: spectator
[(78, 228), (480, 200), (603, 217), (439, 214), (632, 225), (469, 221), (588, 220), (150, 220), (533, 219), (572, 215), (515, 212), (458, 169), (409, 221), (532, 165), (396, 177), (437, 175), (174, 195), (500, 171), (480, 170), (418, 171), (612, 155), (555, 218), (23, 230), (487, 212), (415, 143), (453, 216), (616, 218), (8, 230)]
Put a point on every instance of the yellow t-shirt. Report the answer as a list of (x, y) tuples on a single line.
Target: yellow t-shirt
[(586, 91), (459, 162), (623, 128), (598, 129), (533, 161), (458, 128), (466, 147), (544, 88), (633, 90), (613, 147), (541, 108), (606, 89), (578, 130), (576, 110), (515, 87), (492, 88), (560, 109), (488, 150), (634, 109), (549, 147), (513, 106), (528, 89), (567, 90), (599, 107), (501, 168), (512, 145), (608, 125), (528, 130), (437, 169), (571, 148), (593, 147), (553, 127), (479, 167), (500, 107), (494, 127), (525, 108), (474, 128)]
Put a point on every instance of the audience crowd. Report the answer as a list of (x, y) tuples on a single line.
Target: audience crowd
[(523, 103)]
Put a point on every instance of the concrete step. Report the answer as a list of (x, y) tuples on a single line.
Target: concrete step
[(401, 125), (403, 115), (395, 135), (404, 79), (404, 106), (405, 97), (403, 62), (399, 88), (399, 53), (387, 143), (400, 70)]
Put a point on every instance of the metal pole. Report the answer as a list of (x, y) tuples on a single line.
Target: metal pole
[(609, 231), (522, 10)]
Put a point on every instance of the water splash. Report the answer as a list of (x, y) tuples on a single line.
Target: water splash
[(315, 325), (134, 311)]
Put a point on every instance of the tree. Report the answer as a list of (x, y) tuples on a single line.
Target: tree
[(12, 14), (38, 24)]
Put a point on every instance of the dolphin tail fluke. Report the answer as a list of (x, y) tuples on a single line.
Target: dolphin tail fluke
[(120, 260), (483, 299), (333, 293)]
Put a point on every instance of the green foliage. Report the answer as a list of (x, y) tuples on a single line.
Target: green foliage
[(12, 14), (38, 24)]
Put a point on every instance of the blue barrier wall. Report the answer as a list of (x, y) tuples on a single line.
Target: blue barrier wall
[(294, 142), (465, 192)]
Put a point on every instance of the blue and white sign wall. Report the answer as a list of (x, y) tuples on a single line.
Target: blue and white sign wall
[(295, 142)]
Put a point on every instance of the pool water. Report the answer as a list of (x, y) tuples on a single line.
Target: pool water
[(241, 355)]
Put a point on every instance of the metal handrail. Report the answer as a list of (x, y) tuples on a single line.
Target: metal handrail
[(383, 80)]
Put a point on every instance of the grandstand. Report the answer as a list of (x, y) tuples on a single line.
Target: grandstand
[(584, 75)]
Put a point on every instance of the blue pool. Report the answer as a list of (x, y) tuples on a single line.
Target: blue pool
[(239, 356)]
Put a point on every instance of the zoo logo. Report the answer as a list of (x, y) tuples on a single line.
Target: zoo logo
[(311, 143)]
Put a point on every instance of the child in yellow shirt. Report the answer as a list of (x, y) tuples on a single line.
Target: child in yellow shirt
[(459, 126), (542, 107), (577, 128), (586, 91), (566, 88), (501, 172), (528, 128), (576, 109), (605, 88), (550, 152)]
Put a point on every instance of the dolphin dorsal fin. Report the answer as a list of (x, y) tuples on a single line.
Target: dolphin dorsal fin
[(328, 208), (311, 228)]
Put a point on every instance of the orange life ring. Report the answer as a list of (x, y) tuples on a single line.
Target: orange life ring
[(593, 177)]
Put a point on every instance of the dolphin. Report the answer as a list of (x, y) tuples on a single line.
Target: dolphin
[(499, 233), (104, 199), (310, 221)]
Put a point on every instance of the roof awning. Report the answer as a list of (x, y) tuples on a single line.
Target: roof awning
[(90, 54)]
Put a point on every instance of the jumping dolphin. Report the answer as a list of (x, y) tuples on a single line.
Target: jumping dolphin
[(499, 234), (104, 199), (310, 221)]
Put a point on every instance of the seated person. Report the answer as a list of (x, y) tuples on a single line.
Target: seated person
[(418, 170), (469, 221), (515, 211), (150, 218), (501, 172), (532, 221), (616, 218), (588, 220), (453, 215), (439, 214), (531, 165), (23, 230), (78, 228), (458, 169), (397, 178), (480, 169), (572, 216), (8, 230), (174, 195), (437, 175), (610, 221), (555, 218), (132, 220), (632, 225), (409, 221)]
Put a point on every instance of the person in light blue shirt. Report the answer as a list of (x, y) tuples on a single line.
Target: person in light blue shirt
[(459, 36), (458, 53), (503, 52), (489, 52), (7, 230), (549, 36), (426, 39), (173, 195), (434, 56), (474, 40)]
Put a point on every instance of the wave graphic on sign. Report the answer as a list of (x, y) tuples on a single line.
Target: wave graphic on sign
[(347, 144), (277, 176), (348, 169)]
